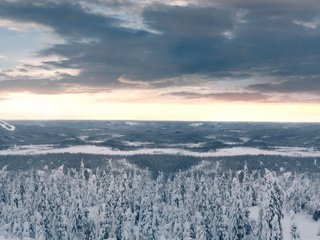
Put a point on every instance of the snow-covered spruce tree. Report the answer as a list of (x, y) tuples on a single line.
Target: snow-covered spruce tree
[(146, 229), (260, 225), (77, 219), (128, 203), (221, 230), (59, 222), (190, 224), (136, 202), (200, 228), (107, 216), (246, 187), (92, 188), (159, 206), (238, 222), (273, 208), (178, 186), (89, 232), (128, 225), (203, 207)]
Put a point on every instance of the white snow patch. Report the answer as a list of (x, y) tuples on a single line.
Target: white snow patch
[(211, 137), (116, 135), (195, 124), (70, 139), (230, 143), (254, 213), (187, 145), (7, 126), (137, 144), (96, 141), (90, 149), (237, 131), (132, 123), (244, 139), (83, 137), (91, 129)]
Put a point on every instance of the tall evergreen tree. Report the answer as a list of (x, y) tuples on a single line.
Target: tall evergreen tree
[(238, 222), (274, 204)]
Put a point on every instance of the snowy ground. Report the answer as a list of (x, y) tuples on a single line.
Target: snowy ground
[(91, 149), (307, 227)]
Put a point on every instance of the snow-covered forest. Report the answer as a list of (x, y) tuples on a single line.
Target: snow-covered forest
[(129, 203)]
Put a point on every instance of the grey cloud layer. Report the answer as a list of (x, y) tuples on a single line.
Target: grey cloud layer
[(212, 40), (310, 85)]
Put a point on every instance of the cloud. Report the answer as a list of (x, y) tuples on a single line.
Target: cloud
[(300, 85), (224, 96), (157, 41)]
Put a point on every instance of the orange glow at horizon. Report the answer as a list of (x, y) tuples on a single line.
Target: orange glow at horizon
[(105, 107)]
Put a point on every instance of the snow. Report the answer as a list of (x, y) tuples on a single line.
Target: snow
[(116, 135), (237, 131), (244, 139), (7, 126), (91, 149), (196, 124), (97, 141), (83, 137), (306, 226), (137, 144), (230, 143), (211, 137), (132, 123), (254, 213), (99, 197), (187, 145), (7, 238)]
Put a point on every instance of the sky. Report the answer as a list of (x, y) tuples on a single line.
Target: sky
[(210, 60)]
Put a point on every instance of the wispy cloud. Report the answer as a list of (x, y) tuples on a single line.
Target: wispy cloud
[(224, 96)]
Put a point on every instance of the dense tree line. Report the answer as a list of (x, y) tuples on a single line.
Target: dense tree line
[(128, 203)]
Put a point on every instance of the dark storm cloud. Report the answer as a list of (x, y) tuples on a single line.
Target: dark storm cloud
[(273, 38), (186, 22)]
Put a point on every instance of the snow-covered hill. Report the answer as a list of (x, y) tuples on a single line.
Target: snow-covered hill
[(7, 126)]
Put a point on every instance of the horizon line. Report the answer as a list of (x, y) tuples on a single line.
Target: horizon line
[(162, 120)]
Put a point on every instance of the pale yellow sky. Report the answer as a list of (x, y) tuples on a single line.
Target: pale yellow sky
[(132, 107)]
